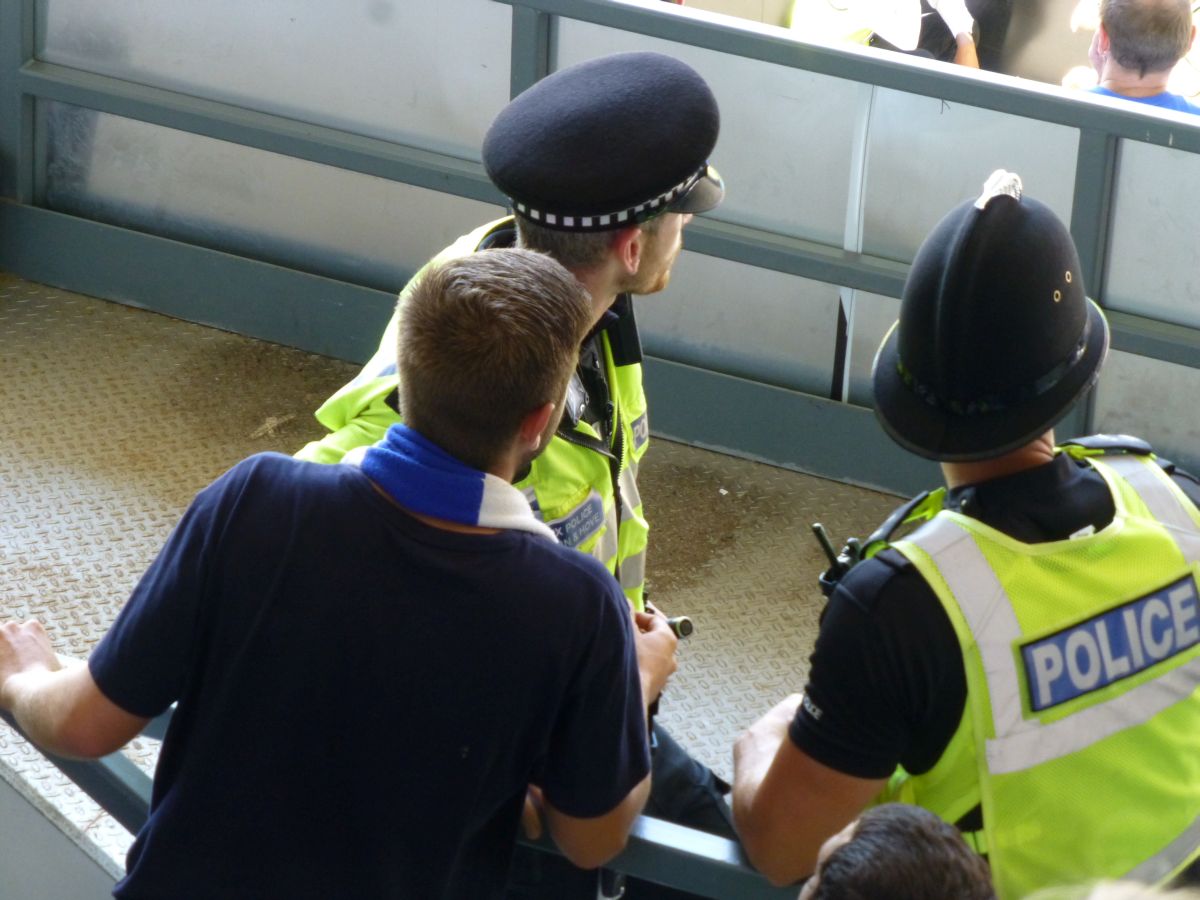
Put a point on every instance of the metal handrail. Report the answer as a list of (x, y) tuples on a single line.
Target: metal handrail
[(657, 851)]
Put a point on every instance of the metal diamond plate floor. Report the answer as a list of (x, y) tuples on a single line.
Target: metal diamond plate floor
[(112, 418)]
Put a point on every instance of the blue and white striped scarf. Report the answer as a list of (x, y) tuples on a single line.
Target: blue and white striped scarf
[(422, 477)]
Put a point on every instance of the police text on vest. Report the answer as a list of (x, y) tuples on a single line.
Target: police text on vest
[(1093, 654)]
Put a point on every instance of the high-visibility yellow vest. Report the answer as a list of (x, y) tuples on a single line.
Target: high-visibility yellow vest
[(1080, 736), (572, 485)]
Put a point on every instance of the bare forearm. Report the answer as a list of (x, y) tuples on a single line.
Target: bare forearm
[(55, 700), (753, 754), (589, 843), (625, 815), (40, 703), (64, 712), (785, 803), (965, 53), (773, 828)]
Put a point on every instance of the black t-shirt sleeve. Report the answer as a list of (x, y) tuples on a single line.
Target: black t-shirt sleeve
[(886, 683), (142, 662), (598, 750)]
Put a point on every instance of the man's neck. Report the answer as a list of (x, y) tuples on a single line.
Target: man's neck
[(1129, 83), (434, 521), (600, 286), (1036, 453)]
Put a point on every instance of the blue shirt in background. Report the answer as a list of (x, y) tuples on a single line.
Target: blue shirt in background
[(1165, 100)]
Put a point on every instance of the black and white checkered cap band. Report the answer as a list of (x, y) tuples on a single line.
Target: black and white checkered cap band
[(630, 216)]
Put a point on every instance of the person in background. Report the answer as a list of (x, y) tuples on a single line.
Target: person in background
[(1137, 45), (1026, 663), (898, 852), (967, 32)]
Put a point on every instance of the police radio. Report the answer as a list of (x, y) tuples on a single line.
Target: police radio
[(920, 508)]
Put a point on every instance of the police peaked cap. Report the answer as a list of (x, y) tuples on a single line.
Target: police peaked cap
[(996, 338), (608, 143)]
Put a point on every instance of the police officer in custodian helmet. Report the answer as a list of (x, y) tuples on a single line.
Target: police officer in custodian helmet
[(1026, 662)]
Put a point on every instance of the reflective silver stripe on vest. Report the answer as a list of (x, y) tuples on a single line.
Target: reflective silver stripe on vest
[(1158, 867), (633, 570), (1023, 743), (1164, 504), (1043, 743), (606, 547), (987, 609), (631, 497)]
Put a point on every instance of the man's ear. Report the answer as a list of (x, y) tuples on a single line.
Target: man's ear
[(628, 245), (1192, 39), (1102, 33), (533, 425)]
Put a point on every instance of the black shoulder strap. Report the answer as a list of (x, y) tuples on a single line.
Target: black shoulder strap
[(502, 234), (623, 335)]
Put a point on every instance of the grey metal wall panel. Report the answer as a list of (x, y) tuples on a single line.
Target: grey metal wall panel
[(316, 218), (744, 321), (275, 303), (1154, 400), (786, 133), (429, 74), (16, 111), (1152, 261), (872, 316), (786, 428), (926, 155)]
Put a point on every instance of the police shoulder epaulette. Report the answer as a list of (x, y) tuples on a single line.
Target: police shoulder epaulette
[(1110, 443), (1175, 472)]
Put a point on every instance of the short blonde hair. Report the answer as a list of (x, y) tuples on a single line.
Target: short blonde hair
[(484, 340)]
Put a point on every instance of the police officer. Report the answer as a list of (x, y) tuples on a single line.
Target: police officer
[(1026, 662), (604, 162)]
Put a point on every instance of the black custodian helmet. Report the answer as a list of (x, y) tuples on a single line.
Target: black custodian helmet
[(996, 338)]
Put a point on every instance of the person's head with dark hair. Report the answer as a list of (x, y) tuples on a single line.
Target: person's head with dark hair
[(484, 340), (898, 852), (1146, 36)]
